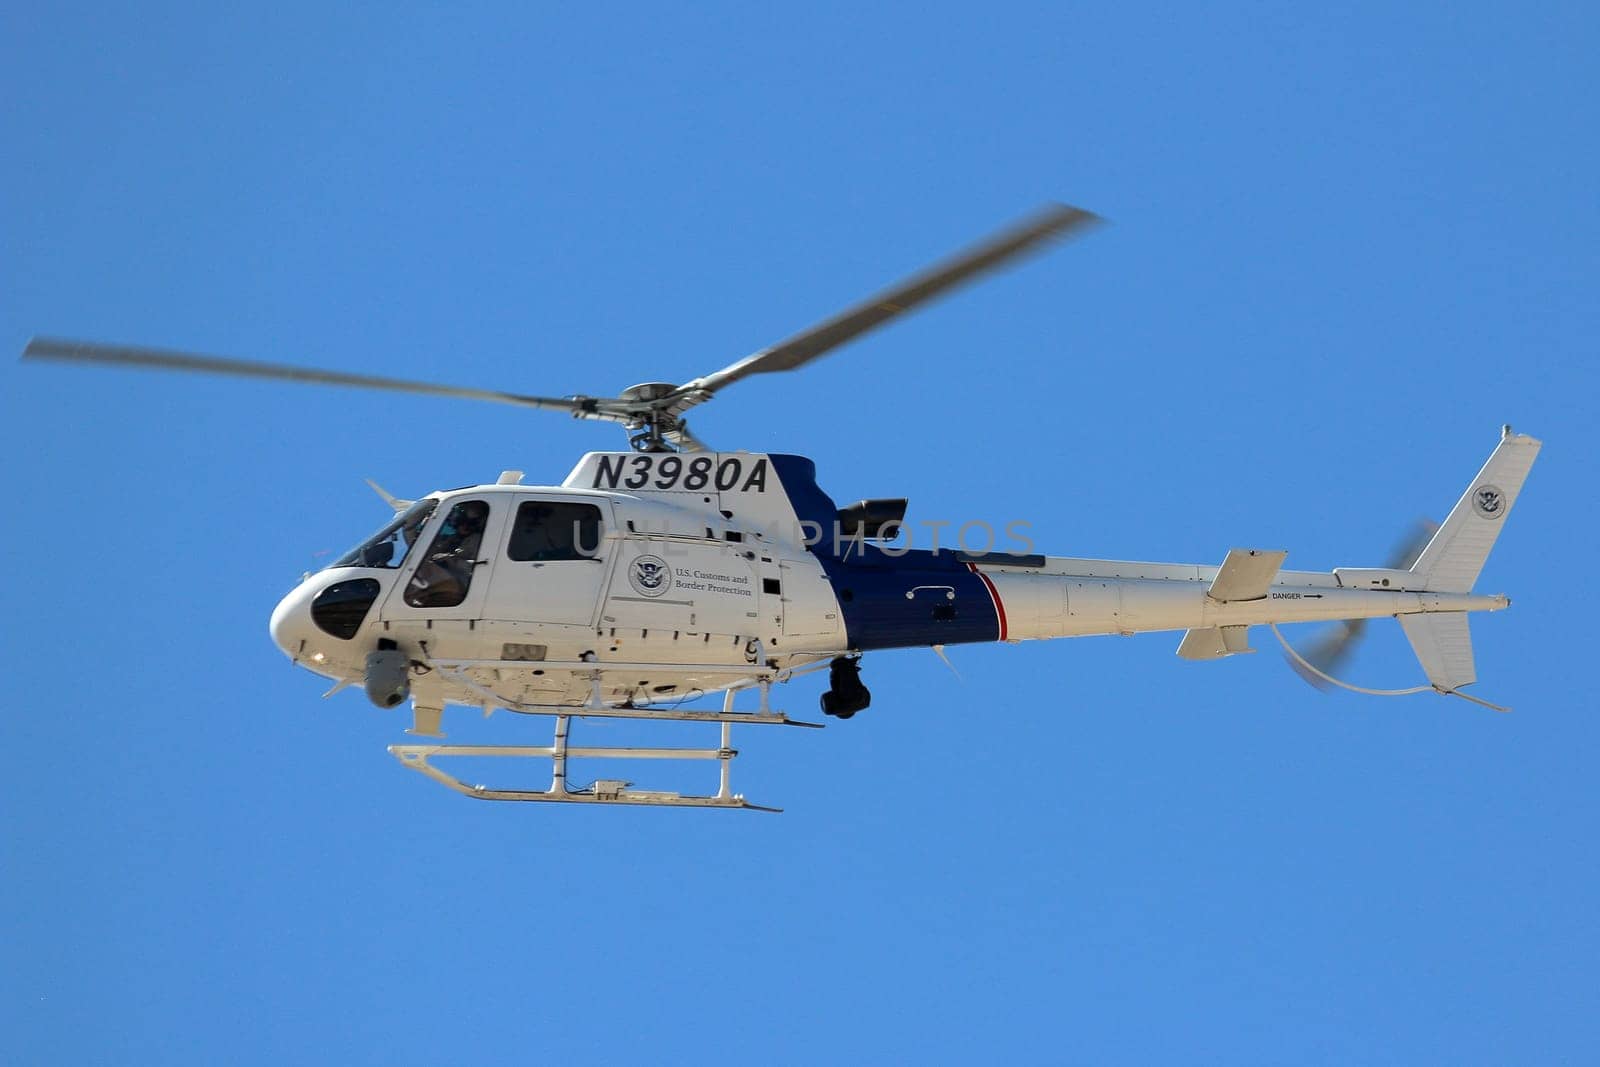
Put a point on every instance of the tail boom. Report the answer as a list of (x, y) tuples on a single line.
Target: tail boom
[(1080, 605)]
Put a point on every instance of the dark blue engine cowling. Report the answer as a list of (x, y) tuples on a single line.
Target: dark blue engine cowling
[(948, 603)]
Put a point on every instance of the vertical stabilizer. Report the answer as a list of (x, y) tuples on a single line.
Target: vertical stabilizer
[(1443, 645), (1456, 554)]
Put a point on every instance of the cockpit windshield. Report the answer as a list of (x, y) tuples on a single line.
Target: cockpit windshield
[(388, 547)]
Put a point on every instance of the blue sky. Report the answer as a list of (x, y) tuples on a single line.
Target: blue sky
[(1345, 247)]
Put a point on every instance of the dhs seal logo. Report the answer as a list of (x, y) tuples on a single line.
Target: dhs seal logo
[(650, 575), (1489, 501)]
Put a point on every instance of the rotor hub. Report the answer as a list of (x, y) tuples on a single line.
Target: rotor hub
[(648, 391)]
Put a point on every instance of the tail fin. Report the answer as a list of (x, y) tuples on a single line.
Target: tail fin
[(1456, 554)]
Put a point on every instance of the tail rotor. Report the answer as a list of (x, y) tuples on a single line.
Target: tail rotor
[(1337, 644)]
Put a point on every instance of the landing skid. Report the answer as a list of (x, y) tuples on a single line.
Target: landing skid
[(605, 791)]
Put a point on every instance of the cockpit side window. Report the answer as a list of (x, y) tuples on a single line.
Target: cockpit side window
[(445, 573), (389, 547), (548, 530)]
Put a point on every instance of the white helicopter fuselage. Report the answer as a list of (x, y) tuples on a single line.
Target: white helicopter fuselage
[(647, 579)]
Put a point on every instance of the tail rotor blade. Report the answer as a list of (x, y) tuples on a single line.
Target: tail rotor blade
[(1329, 652), (1410, 547), (1337, 644)]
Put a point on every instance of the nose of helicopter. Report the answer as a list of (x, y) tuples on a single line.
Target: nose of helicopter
[(317, 624), (291, 626)]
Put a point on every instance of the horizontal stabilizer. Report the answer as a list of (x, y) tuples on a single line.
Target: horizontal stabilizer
[(1443, 645), (1246, 574), (1215, 642)]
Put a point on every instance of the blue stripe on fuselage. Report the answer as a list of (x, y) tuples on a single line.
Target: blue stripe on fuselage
[(872, 583)]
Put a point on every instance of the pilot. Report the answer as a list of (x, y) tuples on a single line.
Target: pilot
[(442, 579), (464, 530)]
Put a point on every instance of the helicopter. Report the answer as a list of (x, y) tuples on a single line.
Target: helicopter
[(650, 580)]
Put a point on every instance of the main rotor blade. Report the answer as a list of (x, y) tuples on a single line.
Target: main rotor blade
[(998, 250), (160, 359)]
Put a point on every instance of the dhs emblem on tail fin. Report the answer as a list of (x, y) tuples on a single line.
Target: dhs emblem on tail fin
[(1489, 501)]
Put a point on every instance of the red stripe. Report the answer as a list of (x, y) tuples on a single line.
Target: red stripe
[(994, 594)]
